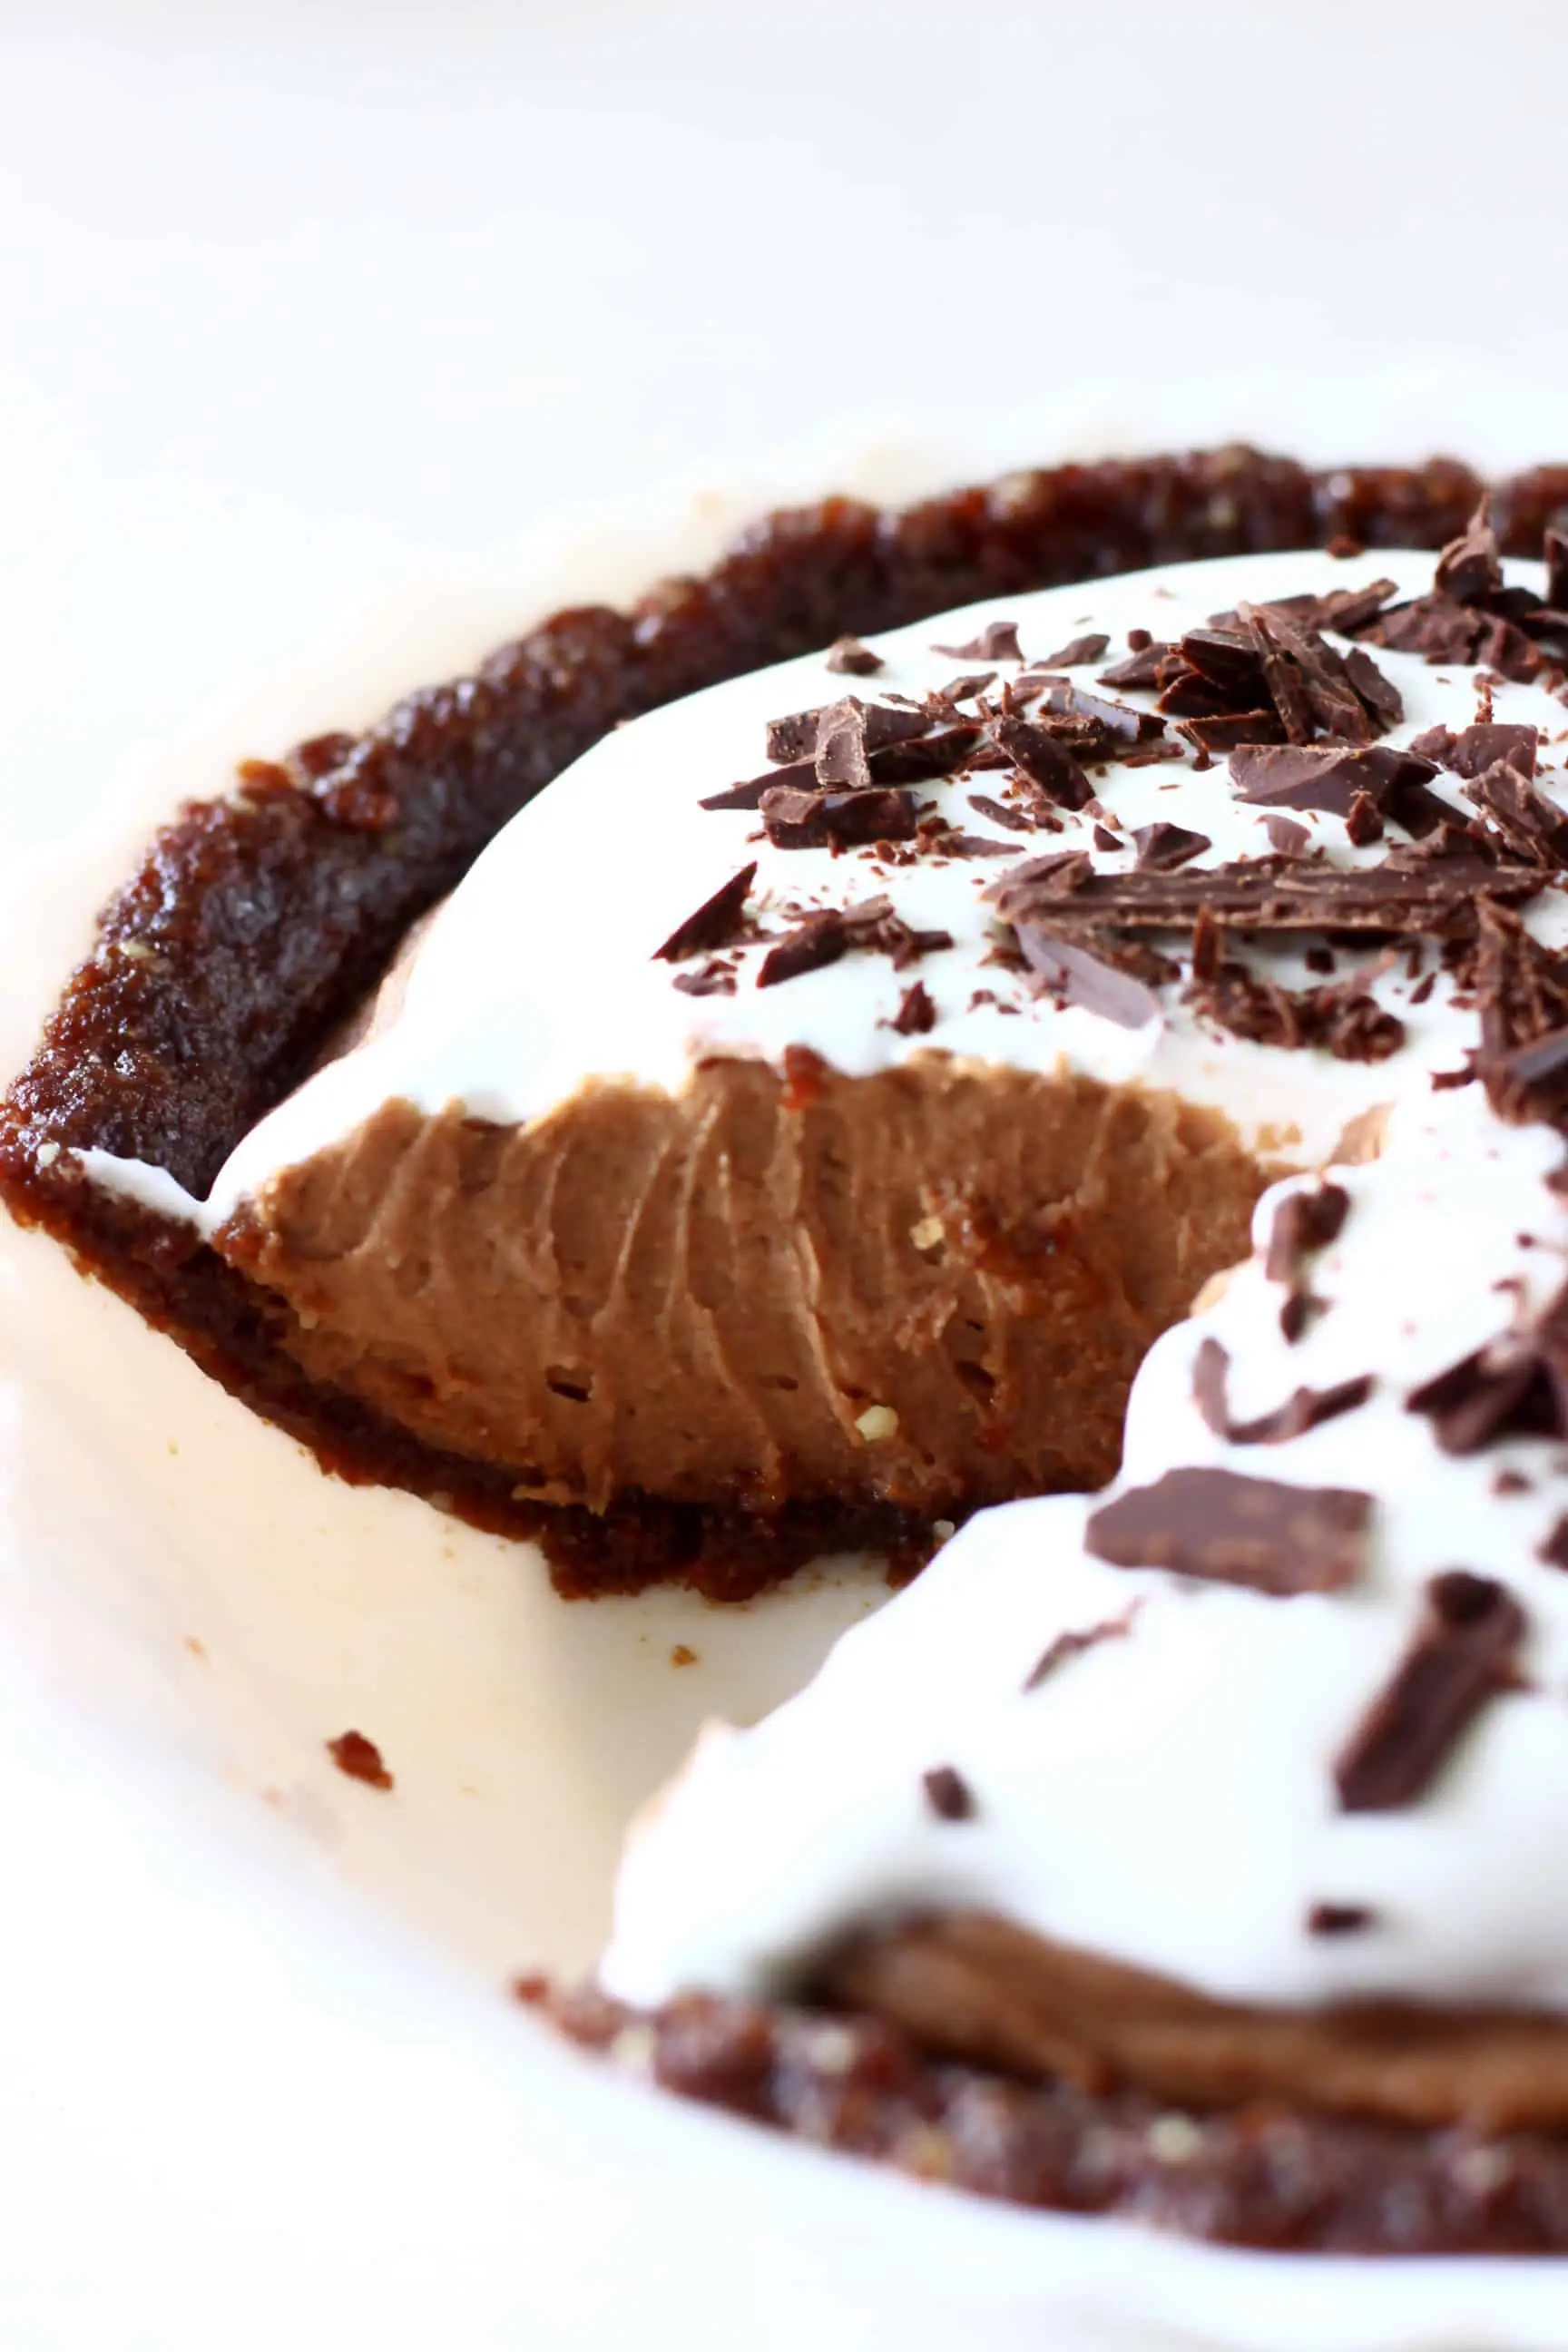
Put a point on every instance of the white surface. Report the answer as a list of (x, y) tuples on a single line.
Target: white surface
[(280, 427)]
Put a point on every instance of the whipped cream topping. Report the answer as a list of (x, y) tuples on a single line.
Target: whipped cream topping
[(1168, 1798), (538, 975)]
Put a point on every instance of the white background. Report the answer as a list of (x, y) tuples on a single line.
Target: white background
[(316, 323), (300, 303)]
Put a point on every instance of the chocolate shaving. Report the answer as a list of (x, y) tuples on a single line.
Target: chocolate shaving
[(1073, 975), (918, 760), (1289, 838), (873, 725), (948, 1794), (1339, 1918), (1345, 1021), (998, 641), (1104, 839), (710, 979), (1303, 1409), (965, 688), (1227, 729), (1072, 1645), (1413, 893), (1304, 1223), (1306, 680), (717, 923), (844, 736), (923, 761), (1321, 776), (917, 1011), (1077, 651), (1103, 726), (1227, 658), (1383, 702), (1045, 762), (1476, 748), (1229, 1529), (1300, 1312), (821, 938), (1163, 847), (1470, 568), (1150, 665), (813, 819), (1465, 1654), (1514, 1386), (1016, 819), (801, 776), (850, 658), (952, 844), (1364, 823), (1555, 551), (1529, 824), (1522, 989)]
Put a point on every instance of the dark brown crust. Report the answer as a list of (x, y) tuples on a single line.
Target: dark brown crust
[(255, 924), (1286, 2181)]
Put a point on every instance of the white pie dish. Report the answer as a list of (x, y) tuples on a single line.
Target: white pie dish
[(260, 2011)]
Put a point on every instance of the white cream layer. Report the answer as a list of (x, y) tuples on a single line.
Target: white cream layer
[(538, 972)]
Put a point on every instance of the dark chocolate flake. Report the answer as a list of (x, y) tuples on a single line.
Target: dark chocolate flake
[(1045, 762), (1528, 823), (916, 1014), (998, 641), (1110, 727), (813, 819), (850, 658), (965, 688), (1288, 838), (1522, 989), (844, 739), (710, 979), (1339, 1918), (1149, 665), (953, 844), (1016, 819), (1077, 651), (1471, 568), (948, 1794), (1163, 847), (1515, 1386), (1227, 729), (1411, 894), (1073, 975), (821, 938), (1476, 748), (1464, 1654), (1323, 776), (932, 756), (1215, 1525), (1072, 1645), (1304, 1221), (801, 734), (717, 923)]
